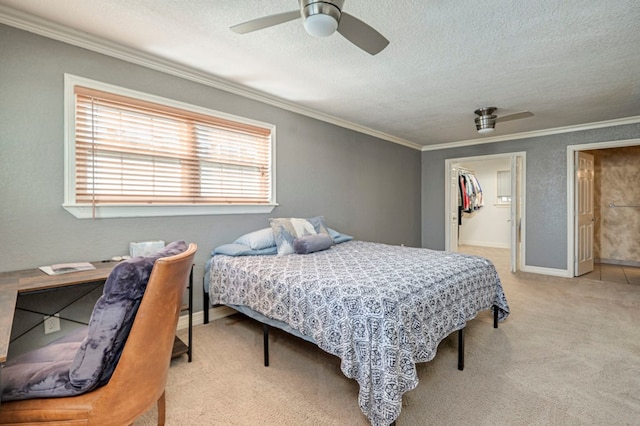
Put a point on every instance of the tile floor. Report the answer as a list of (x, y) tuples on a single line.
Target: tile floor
[(615, 273)]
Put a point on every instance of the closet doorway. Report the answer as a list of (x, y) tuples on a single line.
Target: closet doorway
[(616, 207), (500, 221)]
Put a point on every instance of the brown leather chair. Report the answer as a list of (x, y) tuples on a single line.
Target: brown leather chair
[(140, 377)]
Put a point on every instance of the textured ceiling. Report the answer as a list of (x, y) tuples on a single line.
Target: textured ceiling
[(569, 62)]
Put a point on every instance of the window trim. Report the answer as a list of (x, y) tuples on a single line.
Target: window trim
[(85, 211)]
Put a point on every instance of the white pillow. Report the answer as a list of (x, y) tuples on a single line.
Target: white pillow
[(257, 240)]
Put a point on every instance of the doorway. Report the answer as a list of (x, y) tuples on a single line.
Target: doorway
[(508, 209), (610, 207)]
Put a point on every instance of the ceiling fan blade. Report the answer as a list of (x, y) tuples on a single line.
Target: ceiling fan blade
[(361, 34), (516, 116), (265, 22)]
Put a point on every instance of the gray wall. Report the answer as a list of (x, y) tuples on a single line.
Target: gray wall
[(363, 186), (546, 189)]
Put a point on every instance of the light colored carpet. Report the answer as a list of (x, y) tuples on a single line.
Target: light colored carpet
[(569, 354)]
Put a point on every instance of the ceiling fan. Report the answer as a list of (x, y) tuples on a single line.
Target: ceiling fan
[(321, 19), (486, 119)]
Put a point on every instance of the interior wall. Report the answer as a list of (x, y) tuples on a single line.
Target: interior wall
[(364, 186), (489, 226), (617, 174), (546, 189)]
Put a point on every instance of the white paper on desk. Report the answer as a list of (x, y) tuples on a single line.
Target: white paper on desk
[(65, 268)]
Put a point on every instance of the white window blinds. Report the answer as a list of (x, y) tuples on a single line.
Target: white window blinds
[(135, 152)]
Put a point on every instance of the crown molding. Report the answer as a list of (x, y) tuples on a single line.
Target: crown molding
[(52, 30), (534, 134)]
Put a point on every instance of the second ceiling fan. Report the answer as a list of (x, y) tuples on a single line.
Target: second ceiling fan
[(486, 119), (321, 19)]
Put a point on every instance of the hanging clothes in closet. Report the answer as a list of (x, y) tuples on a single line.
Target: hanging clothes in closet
[(470, 195)]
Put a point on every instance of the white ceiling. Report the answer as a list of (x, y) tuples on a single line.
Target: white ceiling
[(569, 62)]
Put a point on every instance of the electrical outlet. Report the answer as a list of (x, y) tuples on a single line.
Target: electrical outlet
[(52, 324)]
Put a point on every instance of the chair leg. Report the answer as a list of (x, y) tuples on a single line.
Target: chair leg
[(161, 409)]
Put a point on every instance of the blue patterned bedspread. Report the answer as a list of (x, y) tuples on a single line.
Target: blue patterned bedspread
[(380, 308)]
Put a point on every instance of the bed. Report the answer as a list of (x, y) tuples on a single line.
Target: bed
[(379, 308)]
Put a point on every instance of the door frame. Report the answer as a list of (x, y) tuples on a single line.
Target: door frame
[(517, 252), (571, 219)]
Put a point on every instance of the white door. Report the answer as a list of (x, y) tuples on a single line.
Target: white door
[(453, 208), (584, 216), (516, 211)]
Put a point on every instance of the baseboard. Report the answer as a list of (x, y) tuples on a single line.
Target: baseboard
[(485, 244), (198, 317), (546, 271)]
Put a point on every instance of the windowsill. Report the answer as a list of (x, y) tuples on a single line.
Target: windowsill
[(105, 212)]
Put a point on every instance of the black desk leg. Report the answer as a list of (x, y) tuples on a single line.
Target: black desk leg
[(190, 351)]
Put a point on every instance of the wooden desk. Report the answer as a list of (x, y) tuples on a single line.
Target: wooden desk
[(8, 297), (31, 280)]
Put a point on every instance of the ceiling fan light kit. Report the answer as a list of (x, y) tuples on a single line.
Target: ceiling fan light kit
[(321, 18), (485, 120)]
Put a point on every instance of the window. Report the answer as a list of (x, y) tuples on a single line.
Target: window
[(131, 154), (504, 187)]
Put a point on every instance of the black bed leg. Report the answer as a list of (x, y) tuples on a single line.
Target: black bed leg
[(205, 303), (266, 344), (461, 349), (495, 316)]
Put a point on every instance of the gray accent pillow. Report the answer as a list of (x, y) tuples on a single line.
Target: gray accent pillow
[(312, 243), (286, 230), (319, 225)]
